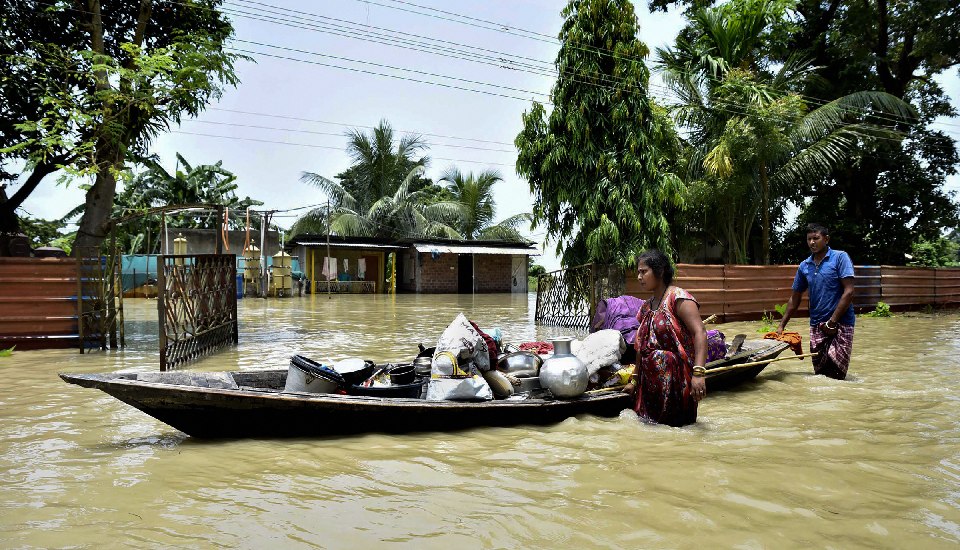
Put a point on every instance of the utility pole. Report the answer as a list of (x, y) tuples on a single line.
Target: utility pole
[(264, 224), (327, 259)]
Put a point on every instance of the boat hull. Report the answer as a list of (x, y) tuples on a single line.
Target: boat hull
[(226, 413)]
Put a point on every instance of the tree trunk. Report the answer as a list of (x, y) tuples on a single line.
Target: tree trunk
[(765, 230), (94, 225)]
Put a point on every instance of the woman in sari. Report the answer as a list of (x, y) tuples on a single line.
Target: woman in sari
[(670, 342)]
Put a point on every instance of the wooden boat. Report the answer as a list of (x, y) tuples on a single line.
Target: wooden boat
[(761, 353), (253, 404)]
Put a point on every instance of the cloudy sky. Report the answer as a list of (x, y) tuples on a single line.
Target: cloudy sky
[(458, 73)]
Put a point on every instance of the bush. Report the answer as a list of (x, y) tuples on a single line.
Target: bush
[(882, 310)]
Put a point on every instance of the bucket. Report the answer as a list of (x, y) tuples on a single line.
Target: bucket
[(305, 375)]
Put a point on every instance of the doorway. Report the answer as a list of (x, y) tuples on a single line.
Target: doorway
[(465, 273)]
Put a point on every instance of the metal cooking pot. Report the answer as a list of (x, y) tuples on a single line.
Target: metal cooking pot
[(520, 363), (421, 366)]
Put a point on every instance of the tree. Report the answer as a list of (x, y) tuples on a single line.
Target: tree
[(155, 187), (472, 207), (891, 193), (756, 142), (601, 165), (400, 215), (103, 77), (380, 194)]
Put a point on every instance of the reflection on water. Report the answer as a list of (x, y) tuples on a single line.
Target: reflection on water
[(789, 460)]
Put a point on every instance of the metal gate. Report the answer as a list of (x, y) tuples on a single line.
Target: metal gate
[(99, 298), (568, 297), (197, 305)]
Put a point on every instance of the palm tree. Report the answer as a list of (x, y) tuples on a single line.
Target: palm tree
[(751, 134), (377, 195), (472, 209), (398, 215)]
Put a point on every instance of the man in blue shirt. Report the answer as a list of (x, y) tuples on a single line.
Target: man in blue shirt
[(828, 276)]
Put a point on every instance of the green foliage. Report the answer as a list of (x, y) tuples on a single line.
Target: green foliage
[(153, 186), (7, 352), (41, 232), (536, 270), (939, 252), (532, 284), (379, 195), (781, 309), (606, 154), (471, 210), (767, 323), (881, 310), (892, 193), (756, 144), (84, 94), (384, 194)]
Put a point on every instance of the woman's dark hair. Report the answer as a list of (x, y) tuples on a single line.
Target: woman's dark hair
[(659, 263), (817, 228)]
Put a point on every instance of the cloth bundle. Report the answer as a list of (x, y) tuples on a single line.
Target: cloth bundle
[(600, 349)]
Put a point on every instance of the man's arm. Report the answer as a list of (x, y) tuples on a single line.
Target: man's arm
[(792, 306), (845, 300)]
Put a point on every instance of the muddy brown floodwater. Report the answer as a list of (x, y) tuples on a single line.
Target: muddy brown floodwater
[(790, 460)]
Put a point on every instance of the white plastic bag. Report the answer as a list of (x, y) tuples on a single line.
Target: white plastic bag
[(460, 356)]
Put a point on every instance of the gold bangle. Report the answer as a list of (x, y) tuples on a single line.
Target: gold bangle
[(699, 371)]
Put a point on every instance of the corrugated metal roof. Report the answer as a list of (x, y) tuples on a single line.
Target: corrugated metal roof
[(449, 249), (349, 245)]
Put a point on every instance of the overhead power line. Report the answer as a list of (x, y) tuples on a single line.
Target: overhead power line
[(258, 127), (525, 33), (349, 125), (330, 147)]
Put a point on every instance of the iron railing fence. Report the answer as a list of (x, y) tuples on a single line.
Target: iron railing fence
[(568, 297)]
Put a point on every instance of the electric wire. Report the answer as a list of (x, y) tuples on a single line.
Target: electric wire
[(258, 127), (501, 27), (314, 146)]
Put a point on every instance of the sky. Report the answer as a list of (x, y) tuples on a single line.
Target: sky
[(460, 92)]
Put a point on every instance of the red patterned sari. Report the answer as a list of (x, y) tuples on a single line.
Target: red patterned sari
[(665, 363)]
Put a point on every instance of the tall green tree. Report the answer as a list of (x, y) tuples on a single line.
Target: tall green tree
[(102, 77), (756, 142), (891, 193), (473, 207), (602, 163)]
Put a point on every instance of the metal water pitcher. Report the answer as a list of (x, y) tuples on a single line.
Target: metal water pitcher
[(563, 373)]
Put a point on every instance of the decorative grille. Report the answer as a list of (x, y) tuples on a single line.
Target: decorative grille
[(568, 297), (197, 304), (99, 299)]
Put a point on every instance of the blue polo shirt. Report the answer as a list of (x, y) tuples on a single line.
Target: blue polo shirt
[(824, 284)]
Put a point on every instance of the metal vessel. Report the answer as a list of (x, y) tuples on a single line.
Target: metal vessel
[(563, 373)]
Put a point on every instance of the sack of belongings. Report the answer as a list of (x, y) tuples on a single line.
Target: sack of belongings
[(461, 355)]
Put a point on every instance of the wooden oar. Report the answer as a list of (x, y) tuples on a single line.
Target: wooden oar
[(710, 319), (708, 372)]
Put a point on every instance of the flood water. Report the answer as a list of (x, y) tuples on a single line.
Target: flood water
[(791, 460)]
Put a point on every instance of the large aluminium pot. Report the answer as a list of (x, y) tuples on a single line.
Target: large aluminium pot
[(563, 373)]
